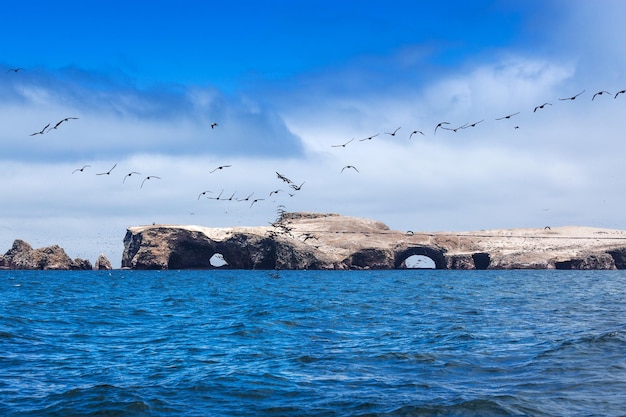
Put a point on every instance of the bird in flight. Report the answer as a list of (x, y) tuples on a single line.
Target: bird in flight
[(255, 200), (149, 177), (108, 172), (130, 174), (392, 133), (274, 192), (343, 145), (572, 97), (440, 125), (15, 69), (63, 120), (350, 167), (283, 178), (81, 169), (541, 107), (219, 167), (475, 123), (41, 132), (204, 193), (619, 92), (218, 197), (507, 117), (247, 198), (214, 125), (599, 93), (369, 137), (416, 132), (297, 187)]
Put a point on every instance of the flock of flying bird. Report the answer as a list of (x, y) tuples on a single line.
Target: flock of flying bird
[(445, 125), (294, 187)]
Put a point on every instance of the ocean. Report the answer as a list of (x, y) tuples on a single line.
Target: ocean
[(312, 343)]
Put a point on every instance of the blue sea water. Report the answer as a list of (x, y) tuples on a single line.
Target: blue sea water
[(312, 343)]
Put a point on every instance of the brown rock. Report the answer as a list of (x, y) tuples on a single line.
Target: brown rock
[(23, 256), (102, 263)]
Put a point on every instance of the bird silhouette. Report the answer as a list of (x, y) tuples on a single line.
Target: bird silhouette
[(81, 169), (392, 133), (204, 193), (343, 145), (350, 167), (216, 198), (541, 107), (297, 187), (41, 132), (475, 123), (15, 69), (283, 178), (108, 172), (214, 125), (149, 177), (255, 200), (219, 167), (572, 97), (507, 117), (599, 93), (130, 174), (619, 92), (63, 120), (369, 137), (416, 132), (247, 198), (440, 125), (274, 192)]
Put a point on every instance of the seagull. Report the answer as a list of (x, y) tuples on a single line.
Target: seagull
[(255, 200), (218, 197), (370, 137), (63, 120), (440, 125), (460, 127), (542, 106), (231, 197), (416, 131), (343, 145), (148, 178), (350, 166), (475, 123), (297, 187), (247, 198), (619, 92), (573, 97), (507, 117), (394, 132), (213, 125), (275, 192), (219, 167), (599, 93), (15, 69), (283, 178), (204, 193), (108, 172), (41, 132), (129, 174), (81, 169)]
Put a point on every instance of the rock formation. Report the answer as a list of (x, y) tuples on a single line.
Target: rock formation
[(332, 241), (102, 263), (23, 256)]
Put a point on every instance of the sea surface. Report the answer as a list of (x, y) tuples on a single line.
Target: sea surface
[(312, 343)]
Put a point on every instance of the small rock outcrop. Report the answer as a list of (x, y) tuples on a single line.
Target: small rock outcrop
[(332, 241), (23, 256), (102, 263)]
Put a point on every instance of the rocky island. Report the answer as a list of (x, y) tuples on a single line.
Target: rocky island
[(333, 241)]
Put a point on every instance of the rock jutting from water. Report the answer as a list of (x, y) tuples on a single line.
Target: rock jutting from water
[(23, 256), (332, 241)]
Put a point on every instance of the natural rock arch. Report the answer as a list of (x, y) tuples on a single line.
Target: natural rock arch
[(437, 256), (419, 262)]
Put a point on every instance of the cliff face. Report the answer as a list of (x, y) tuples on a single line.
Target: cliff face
[(331, 241)]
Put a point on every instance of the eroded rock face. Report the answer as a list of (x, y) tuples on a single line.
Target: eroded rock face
[(23, 256), (331, 241), (102, 263)]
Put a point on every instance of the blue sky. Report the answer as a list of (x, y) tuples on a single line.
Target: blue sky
[(285, 81)]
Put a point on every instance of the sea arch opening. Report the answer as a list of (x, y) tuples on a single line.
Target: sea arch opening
[(420, 257), (419, 262)]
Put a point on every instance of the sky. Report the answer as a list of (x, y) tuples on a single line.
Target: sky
[(137, 86)]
